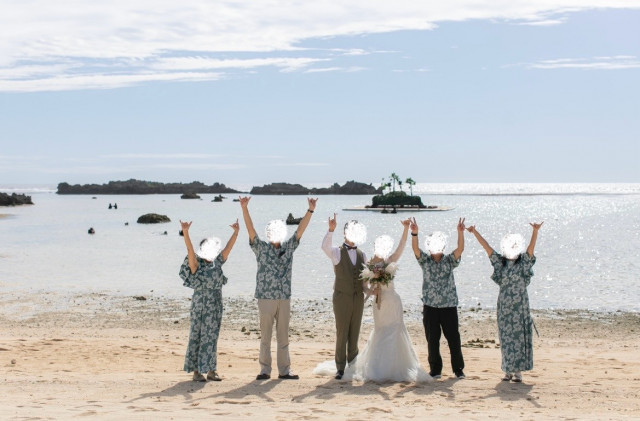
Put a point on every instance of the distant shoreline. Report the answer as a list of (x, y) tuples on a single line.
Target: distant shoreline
[(140, 187), (432, 189)]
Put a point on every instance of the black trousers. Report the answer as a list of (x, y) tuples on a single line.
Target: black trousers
[(437, 321)]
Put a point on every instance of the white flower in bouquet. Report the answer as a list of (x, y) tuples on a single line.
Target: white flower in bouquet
[(366, 274), (391, 268)]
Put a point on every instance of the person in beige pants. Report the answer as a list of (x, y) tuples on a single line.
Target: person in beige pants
[(273, 286)]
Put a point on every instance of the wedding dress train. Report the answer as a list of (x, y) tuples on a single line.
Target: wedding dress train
[(388, 354)]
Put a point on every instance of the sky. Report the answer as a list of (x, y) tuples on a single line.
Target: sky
[(255, 92)]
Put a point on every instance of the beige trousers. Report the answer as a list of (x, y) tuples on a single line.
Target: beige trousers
[(280, 311)]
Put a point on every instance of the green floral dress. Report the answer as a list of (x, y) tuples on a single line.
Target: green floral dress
[(206, 313), (515, 325)]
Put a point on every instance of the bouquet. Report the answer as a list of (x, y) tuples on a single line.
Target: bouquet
[(377, 274)]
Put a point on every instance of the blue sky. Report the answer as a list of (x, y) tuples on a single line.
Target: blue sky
[(248, 93)]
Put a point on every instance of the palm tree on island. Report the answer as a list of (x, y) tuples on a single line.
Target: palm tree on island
[(396, 199), (411, 183)]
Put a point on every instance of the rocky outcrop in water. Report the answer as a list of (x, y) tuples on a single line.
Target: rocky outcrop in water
[(14, 199), (143, 187), (350, 187), (153, 218), (189, 196)]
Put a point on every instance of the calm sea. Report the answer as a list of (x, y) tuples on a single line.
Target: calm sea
[(588, 249)]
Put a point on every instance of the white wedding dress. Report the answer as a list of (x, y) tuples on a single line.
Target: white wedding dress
[(389, 353)]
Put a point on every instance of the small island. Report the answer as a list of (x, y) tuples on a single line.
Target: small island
[(395, 201), (133, 186), (349, 188), (14, 199)]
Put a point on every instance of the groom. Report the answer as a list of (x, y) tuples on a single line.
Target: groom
[(348, 296)]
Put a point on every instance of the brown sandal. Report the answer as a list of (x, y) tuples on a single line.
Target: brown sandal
[(213, 375)]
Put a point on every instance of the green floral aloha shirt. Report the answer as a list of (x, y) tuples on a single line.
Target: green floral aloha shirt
[(273, 277), (206, 313), (438, 284), (515, 325)]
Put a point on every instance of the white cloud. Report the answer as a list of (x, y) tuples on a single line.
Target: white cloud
[(99, 81), (335, 69), (303, 164), (76, 44), (597, 63), (161, 156), (203, 63), (547, 22)]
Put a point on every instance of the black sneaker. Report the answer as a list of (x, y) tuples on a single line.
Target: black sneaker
[(263, 376), (434, 375), (460, 374), (339, 374)]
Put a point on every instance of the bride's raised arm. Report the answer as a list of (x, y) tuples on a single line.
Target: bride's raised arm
[(403, 240)]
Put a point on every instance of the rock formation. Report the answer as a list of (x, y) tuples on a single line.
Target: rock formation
[(153, 218), (14, 199)]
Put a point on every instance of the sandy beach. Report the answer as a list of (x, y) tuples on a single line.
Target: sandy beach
[(101, 356)]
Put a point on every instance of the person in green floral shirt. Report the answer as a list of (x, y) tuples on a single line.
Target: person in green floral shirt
[(512, 271), (203, 273), (440, 298), (273, 286)]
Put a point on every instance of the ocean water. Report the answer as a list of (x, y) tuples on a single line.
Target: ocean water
[(588, 250)]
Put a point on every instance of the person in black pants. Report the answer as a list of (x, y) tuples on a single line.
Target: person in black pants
[(440, 298)]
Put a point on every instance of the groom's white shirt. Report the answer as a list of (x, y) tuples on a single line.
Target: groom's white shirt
[(334, 252)]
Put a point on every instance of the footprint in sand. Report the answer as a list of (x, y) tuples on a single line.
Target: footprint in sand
[(374, 409)]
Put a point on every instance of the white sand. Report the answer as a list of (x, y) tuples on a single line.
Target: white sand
[(120, 358)]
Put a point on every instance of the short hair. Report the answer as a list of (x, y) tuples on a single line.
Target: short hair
[(349, 222)]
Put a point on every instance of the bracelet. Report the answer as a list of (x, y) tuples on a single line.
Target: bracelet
[(414, 234), (309, 210)]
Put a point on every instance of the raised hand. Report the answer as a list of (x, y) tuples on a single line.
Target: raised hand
[(244, 201), (312, 203), (406, 223), (472, 229), (235, 226), (413, 225), (461, 224), (535, 226), (534, 237), (332, 223), (185, 226)]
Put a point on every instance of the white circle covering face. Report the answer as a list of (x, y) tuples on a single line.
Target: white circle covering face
[(382, 246), (355, 232), (512, 245), (210, 249), (276, 231), (436, 242)]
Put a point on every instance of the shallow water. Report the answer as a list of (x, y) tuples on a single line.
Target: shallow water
[(588, 249)]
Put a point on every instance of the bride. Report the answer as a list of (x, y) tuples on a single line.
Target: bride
[(389, 353)]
